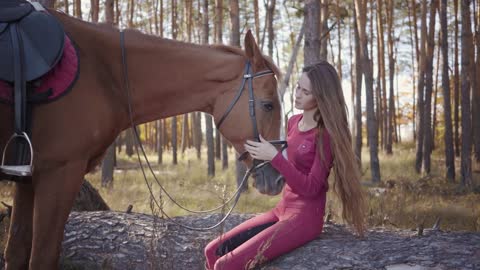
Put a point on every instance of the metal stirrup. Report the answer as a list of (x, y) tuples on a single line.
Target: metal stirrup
[(18, 170)]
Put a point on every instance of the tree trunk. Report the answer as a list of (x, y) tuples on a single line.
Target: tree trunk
[(324, 33), (311, 50), (257, 19), (78, 9), (67, 6), (427, 137), (160, 140), (476, 92), (88, 199), (218, 145), (235, 23), (108, 166), (420, 97), (271, 37), (198, 134), (391, 74), (412, 23), (467, 46), (121, 241), (184, 133), (448, 137), (456, 87), (131, 13), (361, 15), (94, 10), (435, 97), (210, 146), (224, 153), (174, 141), (358, 90), (129, 141), (380, 89), (109, 12)]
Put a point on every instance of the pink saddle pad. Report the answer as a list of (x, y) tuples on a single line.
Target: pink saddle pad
[(53, 85)]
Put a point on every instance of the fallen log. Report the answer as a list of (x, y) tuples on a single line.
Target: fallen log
[(114, 240)]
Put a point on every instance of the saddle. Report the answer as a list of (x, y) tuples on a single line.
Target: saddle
[(31, 44)]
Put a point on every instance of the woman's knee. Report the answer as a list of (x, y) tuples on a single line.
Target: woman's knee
[(209, 250)]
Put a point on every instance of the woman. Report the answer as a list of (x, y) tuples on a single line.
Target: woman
[(318, 139)]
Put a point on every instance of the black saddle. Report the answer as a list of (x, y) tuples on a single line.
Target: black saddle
[(31, 44), (39, 35)]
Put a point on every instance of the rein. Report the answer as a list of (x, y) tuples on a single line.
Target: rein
[(138, 144)]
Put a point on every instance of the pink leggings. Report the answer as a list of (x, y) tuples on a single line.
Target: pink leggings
[(263, 238)]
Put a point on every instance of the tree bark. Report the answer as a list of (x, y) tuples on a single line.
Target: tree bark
[(88, 199), (324, 33), (184, 133), (456, 87), (218, 145), (108, 166), (476, 92), (361, 15), (113, 240), (414, 40), (467, 45), (311, 50), (421, 85), (271, 34), (256, 18), (78, 9), (391, 74), (160, 126), (94, 10), (381, 87), (109, 12), (358, 91), (427, 137), (210, 146), (235, 23), (174, 141)]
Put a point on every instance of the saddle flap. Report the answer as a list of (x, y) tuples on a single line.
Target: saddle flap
[(42, 37)]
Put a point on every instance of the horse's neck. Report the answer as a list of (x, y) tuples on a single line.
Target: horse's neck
[(166, 77), (170, 78)]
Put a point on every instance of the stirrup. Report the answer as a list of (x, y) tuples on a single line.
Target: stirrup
[(18, 170)]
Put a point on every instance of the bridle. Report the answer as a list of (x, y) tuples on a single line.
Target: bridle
[(246, 77)]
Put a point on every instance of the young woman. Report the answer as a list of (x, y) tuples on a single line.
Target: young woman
[(318, 139)]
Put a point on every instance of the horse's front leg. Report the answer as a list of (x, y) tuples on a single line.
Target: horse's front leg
[(55, 190), (17, 252)]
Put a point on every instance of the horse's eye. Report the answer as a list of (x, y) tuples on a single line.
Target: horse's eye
[(267, 106)]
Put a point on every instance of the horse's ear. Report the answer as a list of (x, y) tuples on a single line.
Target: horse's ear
[(253, 52)]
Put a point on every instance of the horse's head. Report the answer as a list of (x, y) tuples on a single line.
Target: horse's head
[(252, 107)]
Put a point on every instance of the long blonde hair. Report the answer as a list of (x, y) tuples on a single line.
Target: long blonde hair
[(331, 114)]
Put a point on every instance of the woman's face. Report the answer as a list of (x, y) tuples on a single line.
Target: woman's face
[(304, 99)]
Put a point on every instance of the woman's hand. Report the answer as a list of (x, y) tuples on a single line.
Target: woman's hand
[(262, 150)]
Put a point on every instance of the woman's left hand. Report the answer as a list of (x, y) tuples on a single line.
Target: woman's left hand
[(262, 150)]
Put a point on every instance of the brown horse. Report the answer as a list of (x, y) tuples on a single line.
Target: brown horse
[(71, 135)]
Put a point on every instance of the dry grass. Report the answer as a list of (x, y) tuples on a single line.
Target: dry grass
[(404, 199)]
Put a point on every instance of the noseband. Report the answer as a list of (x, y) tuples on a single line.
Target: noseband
[(248, 77)]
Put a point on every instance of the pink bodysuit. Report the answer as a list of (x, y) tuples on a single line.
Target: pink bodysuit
[(295, 220)]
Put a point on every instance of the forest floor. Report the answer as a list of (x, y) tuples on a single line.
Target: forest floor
[(403, 199)]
